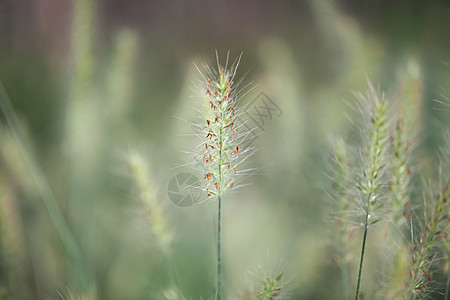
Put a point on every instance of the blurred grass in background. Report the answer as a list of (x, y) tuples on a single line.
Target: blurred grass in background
[(93, 81)]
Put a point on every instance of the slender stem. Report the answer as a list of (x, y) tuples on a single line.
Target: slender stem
[(362, 256), (219, 256), (219, 215)]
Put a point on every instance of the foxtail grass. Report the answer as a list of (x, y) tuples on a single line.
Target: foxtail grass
[(368, 177), (401, 176), (398, 207), (265, 286), (386, 162), (219, 146), (271, 287), (373, 164), (149, 201), (429, 244), (220, 153), (425, 248)]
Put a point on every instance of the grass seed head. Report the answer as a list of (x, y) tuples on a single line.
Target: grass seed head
[(220, 128), (149, 201)]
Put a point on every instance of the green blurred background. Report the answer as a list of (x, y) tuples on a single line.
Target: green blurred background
[(93, 81)]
